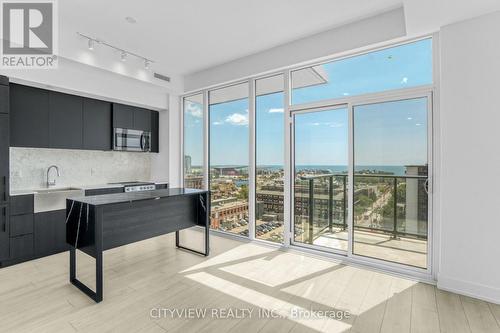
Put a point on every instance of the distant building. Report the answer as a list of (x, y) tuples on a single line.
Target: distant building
[(230, 171), (187, 164), (193, 181), (416, 209), (225, 210)]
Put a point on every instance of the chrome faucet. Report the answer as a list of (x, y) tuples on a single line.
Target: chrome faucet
[(52, 183)]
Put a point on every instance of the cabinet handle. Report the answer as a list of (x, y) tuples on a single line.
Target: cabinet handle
[(4, 210)]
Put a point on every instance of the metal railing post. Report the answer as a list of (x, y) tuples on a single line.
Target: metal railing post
[(395, 228), (344, 226), (330, 203), (311, 209)]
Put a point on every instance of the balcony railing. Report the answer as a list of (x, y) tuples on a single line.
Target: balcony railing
[(390, 206)]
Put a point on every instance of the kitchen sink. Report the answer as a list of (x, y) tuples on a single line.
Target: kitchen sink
[(54, 198)]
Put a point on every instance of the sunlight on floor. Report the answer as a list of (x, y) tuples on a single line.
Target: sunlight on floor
[(288, 310)]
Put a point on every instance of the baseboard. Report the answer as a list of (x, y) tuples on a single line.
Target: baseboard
[(466, 288)]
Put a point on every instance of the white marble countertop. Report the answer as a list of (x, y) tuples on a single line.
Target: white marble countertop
[(78, 187)]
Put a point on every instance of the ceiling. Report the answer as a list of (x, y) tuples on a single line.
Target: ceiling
[(185, 36)]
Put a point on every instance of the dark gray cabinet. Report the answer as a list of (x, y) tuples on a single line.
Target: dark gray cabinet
[(123, 116), (29, 116), (142, 119), (21, 247), (21, 204), (4, 158), (155, 131), (4, 233), (50, 233), (131, 117), (97, 127), (4, 98), (20, 229), (21, 225), (65, 121), (41, 118)]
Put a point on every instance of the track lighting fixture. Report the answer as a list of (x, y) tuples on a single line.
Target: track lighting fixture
[(91, 41)]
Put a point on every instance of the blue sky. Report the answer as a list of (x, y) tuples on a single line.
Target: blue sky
[(385, 134)]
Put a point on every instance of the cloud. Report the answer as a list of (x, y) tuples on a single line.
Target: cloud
[(238, 119), (216, 123), (404, 80), (329, 124), (276, 110), (194, 109)]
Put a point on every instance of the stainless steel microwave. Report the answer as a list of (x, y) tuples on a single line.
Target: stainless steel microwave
[(131, 140)]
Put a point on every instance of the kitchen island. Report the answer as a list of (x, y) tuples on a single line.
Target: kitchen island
[(98, 223)]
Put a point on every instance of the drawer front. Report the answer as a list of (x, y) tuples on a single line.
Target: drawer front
[(21, 247), (21, 204), (161, 186), (21, 225), (99, 191)]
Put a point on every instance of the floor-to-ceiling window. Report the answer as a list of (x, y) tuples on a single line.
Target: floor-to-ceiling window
[(193, 141), (269, 158), (229, 158), (357, 178)]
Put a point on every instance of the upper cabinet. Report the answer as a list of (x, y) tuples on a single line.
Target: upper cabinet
[(131, 117), (4, 94), (65, 121), (29, 116), (41, 118), (123, 116), (97, 128)]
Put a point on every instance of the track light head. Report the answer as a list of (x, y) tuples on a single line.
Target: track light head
[(147, 64), (123, 56), (91, 44)]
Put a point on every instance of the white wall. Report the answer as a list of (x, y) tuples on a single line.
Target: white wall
[(470, 158), (174, 139), (369, 31)]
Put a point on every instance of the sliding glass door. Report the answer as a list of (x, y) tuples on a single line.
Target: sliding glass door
[(320, 178), (391, 181)]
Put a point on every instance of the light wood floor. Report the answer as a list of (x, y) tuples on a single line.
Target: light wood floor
[(37, 297)]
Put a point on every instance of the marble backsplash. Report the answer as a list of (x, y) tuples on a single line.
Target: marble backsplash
[(28, 167)]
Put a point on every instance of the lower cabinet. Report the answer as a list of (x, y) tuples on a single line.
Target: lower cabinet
[(50, 233), (21, 247)]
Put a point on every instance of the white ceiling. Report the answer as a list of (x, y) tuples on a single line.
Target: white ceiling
[(184, 36)]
